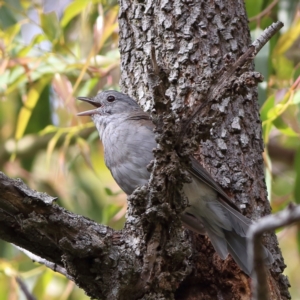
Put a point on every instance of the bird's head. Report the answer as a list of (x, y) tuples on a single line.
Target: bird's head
[(109, 103)]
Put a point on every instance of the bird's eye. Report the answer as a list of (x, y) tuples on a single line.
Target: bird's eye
[(111, 98)]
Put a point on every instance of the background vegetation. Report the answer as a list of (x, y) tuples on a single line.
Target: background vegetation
[(53, 51)]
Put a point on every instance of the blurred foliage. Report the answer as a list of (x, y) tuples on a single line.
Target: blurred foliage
[(52, 51)]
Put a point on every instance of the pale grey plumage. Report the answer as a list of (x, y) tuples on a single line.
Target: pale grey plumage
[(128, 139)]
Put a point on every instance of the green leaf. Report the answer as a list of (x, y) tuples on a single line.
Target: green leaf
[(52, 143), (87, 86), (265, 22), (49, 129), (108, 191), (26, 111), (7, 17), (42, 283), (74, 9), (9, 34), (284, 67), (284, 128), (49, 65), (276, 111), (93, 136), (296, 73), (287, 39), (36, 40), (268, 105), (267, 126), (253, 7), (50, 26), (16, 78)]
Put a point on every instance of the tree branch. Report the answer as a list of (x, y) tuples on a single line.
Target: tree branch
[(266, 36), (266, 11), (268, 223), (23, 287), (107, 264), (54, 267), (31, 220)]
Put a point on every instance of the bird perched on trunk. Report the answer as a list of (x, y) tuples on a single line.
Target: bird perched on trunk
[(127, 135)]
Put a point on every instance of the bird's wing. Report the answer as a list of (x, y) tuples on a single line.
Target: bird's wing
[(143, 117), (198, 171), (139, 115)]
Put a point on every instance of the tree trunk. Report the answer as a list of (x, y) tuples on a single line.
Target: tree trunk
[(190, 43)]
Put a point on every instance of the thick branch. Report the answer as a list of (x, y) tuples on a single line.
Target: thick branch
[(29, 219), (32, 221), (105, 263)]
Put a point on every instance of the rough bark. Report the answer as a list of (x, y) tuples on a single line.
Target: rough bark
[(142, 260), (193, 43), (32, 221)]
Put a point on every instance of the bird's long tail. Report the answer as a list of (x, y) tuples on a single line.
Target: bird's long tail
[(227, 230)]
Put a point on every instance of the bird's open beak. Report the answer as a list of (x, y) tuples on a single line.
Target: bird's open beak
[(92, 111)]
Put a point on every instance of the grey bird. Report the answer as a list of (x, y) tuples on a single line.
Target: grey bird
[(128, 139)]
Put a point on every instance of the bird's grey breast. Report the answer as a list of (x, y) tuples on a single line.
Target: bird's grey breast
[(128, 146)]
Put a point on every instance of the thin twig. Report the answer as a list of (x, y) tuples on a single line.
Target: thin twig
[(24, 289), (218, 88), (48, 264), (268, 223), (266, 36), (266, 11)]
